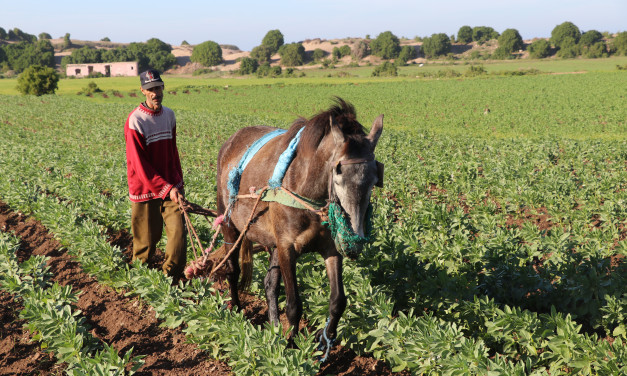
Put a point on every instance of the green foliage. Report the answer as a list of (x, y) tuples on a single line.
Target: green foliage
[(475, 70), (385, 69), (619, 43), (67, 43), (464, 35), (502, 53), (361, 50), (407, 53), (262, 54), (292, 54), (37, 80), (569, 48), (597, 50), (105, 39), (539, 49), (3, 34), (318, 54), (511, 41), (386, 45), (482, 34), (590, 38), (265, 70), (207, 54), (184, 43), (18, 35), (436, 45), (90, 89), (273, 40), (21, 55), (248, 66), (565, 35), (44, 36), (82, 55)]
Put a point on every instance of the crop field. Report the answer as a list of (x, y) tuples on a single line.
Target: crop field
[(499, 246)]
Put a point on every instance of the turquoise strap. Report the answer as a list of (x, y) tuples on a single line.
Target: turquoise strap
[(285, 159)]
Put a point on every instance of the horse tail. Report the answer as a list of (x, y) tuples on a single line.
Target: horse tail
[(246, 264)]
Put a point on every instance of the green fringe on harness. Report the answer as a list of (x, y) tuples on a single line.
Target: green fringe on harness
[(345, 238)]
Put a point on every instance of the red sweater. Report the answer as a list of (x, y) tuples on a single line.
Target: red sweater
[(152, 159)]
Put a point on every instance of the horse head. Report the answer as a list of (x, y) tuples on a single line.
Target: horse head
[(354, 172)]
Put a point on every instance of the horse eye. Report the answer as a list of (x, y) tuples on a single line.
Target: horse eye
[(338, 169)]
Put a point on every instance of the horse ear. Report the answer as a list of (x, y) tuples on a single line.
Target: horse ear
[(337, 133), (375, 131)]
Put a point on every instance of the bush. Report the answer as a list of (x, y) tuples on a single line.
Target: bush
[(482, 34), (386, 45), (464, 35), (475, 70), (407, 53), (620, 43), (318, 54), (262, 54), (539, 49), (345, 50), (569, 48), (248, 65), (292, 54), (511, 41), (385, 69), (3, 34), (67, 43), (361, 50), (565, 35), (595, 51), (43, 36), (502, 53), (265, 70), (184, 43), (90, 89), (207, 54), (37, 80), (105, 39), (436, 45), (273, 40)]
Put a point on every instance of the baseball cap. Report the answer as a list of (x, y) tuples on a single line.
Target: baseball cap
[(150, 78)]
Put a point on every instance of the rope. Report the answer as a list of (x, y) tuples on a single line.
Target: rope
[(329, 342), (343, 234)]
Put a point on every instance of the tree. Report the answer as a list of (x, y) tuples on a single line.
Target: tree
[(565, 35), (620, 43), (464, 35), (386, 45), (292, 54), (361, 50), (436, 45), (37, 80), (184, 43), (24, 54), (207, 53), (105, 39), (590, 38), (262, 54), (43, 36), (482, 34), (83, 55), (3, 34), (539, 48), (273, 40), (67, 43), (248, 65), (407, 53), (510, 41)]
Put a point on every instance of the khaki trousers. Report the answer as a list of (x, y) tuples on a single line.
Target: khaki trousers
[(147, 220)]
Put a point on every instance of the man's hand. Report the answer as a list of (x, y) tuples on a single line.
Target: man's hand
[(175, 194)]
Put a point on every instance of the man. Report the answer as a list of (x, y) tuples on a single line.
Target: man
[(155, 178)]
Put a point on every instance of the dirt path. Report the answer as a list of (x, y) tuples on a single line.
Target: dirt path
[(122, 321)]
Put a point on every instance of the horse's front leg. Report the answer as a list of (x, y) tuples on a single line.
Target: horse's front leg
[(271, 284), (232, 276), (337, 302), (293, 304)]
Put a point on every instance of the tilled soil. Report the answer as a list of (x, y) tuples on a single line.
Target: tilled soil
[(123, 322)]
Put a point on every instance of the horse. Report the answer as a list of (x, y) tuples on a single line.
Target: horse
[(334, 162)]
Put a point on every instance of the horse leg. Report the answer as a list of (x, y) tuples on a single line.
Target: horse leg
[(272, 283), (293, 304), (232, 264), (337, 303)]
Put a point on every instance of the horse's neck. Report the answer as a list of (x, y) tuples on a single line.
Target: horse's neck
[(309, 177)]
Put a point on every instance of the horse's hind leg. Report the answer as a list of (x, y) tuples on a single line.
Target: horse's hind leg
[(293, 305), (272, 284), (230, 237)]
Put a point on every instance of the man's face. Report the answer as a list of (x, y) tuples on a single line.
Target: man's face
[(154, 97)]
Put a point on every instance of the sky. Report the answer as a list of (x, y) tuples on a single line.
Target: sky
[(244, 23)]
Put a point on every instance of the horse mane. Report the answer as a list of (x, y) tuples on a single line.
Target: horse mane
[(319, 126)]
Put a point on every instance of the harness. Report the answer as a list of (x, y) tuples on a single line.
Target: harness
[(330, 211)]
